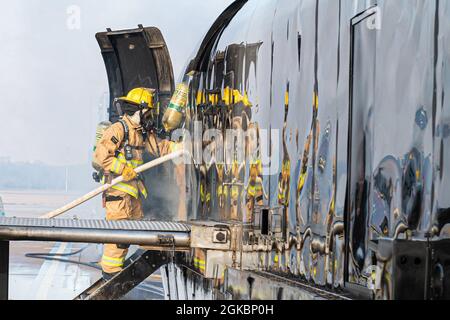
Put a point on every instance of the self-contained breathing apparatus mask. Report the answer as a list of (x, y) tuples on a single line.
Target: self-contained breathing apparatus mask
[(149, 116)]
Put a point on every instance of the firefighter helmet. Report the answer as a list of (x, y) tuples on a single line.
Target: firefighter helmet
[(140, 97)]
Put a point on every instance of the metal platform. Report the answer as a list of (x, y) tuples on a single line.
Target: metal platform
[(167, 237)]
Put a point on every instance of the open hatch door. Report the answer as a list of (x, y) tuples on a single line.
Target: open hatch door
[(136, 58)]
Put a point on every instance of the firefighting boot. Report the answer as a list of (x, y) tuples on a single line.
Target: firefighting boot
[(109, 276)]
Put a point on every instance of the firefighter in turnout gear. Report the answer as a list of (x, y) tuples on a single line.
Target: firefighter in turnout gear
[(237, 191), (255, 188), (222, 191), (119, 152), (285, 175)]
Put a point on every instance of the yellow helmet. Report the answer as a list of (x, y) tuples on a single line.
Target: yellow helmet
[(286, 167), (140, 97), (234, 96), (257, 164)]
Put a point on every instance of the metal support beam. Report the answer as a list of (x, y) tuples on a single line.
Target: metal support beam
[(138, 269), (142, 238), (4, 269)]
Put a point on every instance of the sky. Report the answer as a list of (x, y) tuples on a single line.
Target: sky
[(52, 76)]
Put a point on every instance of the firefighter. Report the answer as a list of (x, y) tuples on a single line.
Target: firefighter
[(205, 194), (222, 191), (255, 188), (119, 152), (283, 184), (237, 190)]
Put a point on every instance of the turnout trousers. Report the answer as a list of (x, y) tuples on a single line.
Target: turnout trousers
[(119, 206)]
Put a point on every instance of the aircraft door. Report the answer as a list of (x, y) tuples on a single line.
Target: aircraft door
[(136, 58)]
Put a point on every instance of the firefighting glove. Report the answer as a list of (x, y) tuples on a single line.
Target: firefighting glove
[(129, 174), (177, 146)]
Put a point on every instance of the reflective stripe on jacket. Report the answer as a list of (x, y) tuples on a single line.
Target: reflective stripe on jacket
[(127, 187)]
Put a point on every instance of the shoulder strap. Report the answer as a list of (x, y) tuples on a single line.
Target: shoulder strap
[(125, 129), (127, 134)]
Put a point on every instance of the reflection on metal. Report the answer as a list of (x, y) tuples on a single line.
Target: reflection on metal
[(181, 282), (365, 161)]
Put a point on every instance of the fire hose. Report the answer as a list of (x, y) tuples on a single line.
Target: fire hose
[(59, 257), (105, 187)]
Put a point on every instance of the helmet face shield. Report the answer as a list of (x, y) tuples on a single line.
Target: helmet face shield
[(140, 100), (126, 108), (137, 99)]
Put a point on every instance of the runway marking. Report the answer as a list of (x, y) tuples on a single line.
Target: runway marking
[(48, 271), (160, 289)]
